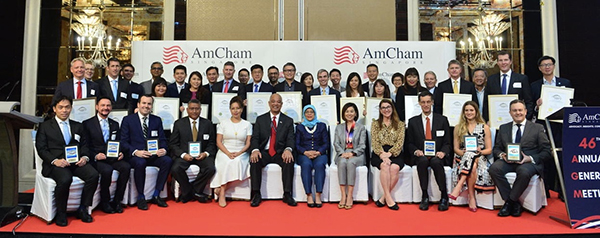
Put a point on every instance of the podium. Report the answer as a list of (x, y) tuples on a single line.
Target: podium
[(11, 121)]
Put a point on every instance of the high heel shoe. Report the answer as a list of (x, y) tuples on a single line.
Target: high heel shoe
[(473, 209), (451, 196), (379, 204), (395, 207)]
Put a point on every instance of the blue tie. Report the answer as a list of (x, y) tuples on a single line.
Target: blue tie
[(114, 89), (105, 130), (256, 88), (504, 86), (66, 132), (518, 135)]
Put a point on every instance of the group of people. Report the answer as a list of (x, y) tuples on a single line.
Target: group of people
[(237, 150)]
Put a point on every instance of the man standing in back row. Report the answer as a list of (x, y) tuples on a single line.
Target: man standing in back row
[(509, 82)]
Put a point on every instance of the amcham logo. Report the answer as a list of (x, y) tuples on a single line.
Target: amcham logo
[(174, 54), (345, 54)]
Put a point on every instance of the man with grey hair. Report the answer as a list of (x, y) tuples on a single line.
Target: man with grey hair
[(455, 84), (430, 81), (156, 70), (324, 89), (78, 87), (480, 80)]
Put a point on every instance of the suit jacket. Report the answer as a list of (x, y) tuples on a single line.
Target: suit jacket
[(182, 134), (534, 143), (536, 87), (446, 86), (66, 88), (95, 139), (122, 100), (485, 110), (147, 86), (50, 144), (415, 135), (202, 94), (359, 140), (318, 141), (234, 86), (262, 132), (338, 95), (132, 135), (298, 87), (366, 89), (524, 90), (172, 91), (207, 87), (136, 91), (264, 87)]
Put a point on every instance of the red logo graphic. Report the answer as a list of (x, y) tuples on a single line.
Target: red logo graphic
[(345, 54), (174, 54)]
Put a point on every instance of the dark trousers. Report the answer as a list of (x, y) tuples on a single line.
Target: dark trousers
[(105, 169), (307, 165), (64, 177), (524, 172), (207, 170), (139, 171), (437, 165), (287, 171)]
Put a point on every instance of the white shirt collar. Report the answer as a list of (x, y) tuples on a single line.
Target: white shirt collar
[(59, 121)]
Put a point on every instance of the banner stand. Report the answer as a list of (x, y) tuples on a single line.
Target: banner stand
[(558, 117)]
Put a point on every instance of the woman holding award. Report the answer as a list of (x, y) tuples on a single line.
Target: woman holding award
[(472, 145), (233, 141), (411, 87), (312, 144), (387, 135), (194, 90), (349, 144)]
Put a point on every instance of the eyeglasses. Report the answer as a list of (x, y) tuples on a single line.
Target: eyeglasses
[(157, 68), (546, 65)]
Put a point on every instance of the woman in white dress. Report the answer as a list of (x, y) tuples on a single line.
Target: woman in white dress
[(233, 141)]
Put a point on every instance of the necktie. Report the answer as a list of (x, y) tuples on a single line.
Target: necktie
[(79, 90), (455, 86), (428, 130), (273, 137), (66, 132), (194, 131), (256, 88), (371, 89), (145, 127), (518, 135), (105, 130), (323, 92), (504, 86), (226, 87), (114, 89)]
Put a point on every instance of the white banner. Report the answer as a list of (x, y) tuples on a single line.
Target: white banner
[(308, 56)]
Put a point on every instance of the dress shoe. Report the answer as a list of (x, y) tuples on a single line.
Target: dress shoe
[(118, 207), (394, 207), (159, 201), (106, 208), (84, 215), (201, 197), (516, 209), (443, 204), (289, 200), (505, 210), (142, 204), (311, 205), (255, 201), (379, 204), (424, 204), (318, 205), (61, 219)]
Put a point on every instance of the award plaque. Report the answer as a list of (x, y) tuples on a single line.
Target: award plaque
[(72, 154), (513, 152), (429, 148), (470, 143), (112, 149), (194, 149), (152, 146)]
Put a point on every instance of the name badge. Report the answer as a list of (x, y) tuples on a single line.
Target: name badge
[(194, 149), (513, 152), (440, 133), (154, 133), (72, 154), (123, 94), (429, 148), (92, 92), (517, 85), (135, 96), (471, 143), (235, 88), (77, 137), (152, 146), (206, 136), (113, 136), (112, 149)]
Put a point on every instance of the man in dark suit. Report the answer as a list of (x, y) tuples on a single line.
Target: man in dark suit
[(179, 73), (435, 127), (324, 89), (156, 70), (135, 90), (535, 149), (272, 142), (78, 87), (228, 84), (480, 81), (455, 84), (257, 84), (430, 80), (51, 139), (193, 128), (273, 75), (212, 74), (509, 82), (136, 129), (290, 84), (372, 74), (115, 87), (99, 130)]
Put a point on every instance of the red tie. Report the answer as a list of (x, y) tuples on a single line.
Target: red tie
[(226, 87), (78, 89), (428, 130), (273, 138)]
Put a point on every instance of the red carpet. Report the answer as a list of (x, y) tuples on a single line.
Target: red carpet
[(274, 218)]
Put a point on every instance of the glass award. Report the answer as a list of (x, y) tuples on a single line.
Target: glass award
[(470, 143), (152, 146), (194, 149), (429, 148), (513, 152), (72, 154), (112, 149)]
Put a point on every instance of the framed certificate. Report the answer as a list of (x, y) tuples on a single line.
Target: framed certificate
[(72, 154), (360, 104), (152, 146), (411, 107), (513, 152), (194, 148), (453, 104), (499, 107), (326, 106), (470, 143), (258, 104), (429, 148), (118, 115), (372, 108), (184, 112), (553, 99), (220, 106), (83, 109), (167, 109), (292, 105), (112, 149)]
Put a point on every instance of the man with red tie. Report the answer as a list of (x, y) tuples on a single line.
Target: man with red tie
[(228, 84), (78, 87)]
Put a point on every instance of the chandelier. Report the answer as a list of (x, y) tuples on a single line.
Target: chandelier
[(93, 44), (486, 32)]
